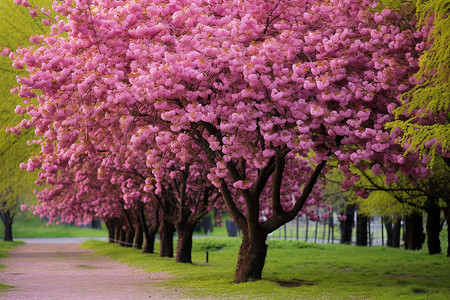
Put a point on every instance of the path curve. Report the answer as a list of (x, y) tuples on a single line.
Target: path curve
[(65, 271)]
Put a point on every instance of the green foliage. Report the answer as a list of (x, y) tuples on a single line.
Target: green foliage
[(15, 28), (297, 270), (400, 198), (432, 96), (403, 197)]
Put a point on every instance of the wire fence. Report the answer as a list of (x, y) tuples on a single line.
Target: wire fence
[(328, 231)]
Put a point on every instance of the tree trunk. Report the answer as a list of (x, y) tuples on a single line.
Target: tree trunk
[(150, 234), (139, 236), (396, 228), (166, 231), (110, 226), (433, 226), (392, 226), (414, 236), (251, 257), (361, 230), (7, 220), (149, 242), (117, 231), (184, 243), (346, 235), (389, 232), (129, 237), (122, 236)]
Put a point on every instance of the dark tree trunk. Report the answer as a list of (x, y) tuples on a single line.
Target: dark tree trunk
[(184, 243), (166, 231), (7, 220), (414, 236), (122, 236), (129, 238), (139, 236), (346, 235), (150, 234), (117, 231), (392, 226), (110, 226), (396, 233), (433, 226), (96, 224), (251, 257), (149, 227), (361, 230), (389, 231), (149, 242)]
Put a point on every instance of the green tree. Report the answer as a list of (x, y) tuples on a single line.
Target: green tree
[(15, 28), (409, 200), (431, 98)]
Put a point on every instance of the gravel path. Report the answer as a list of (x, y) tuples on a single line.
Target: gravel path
[(65, 271)]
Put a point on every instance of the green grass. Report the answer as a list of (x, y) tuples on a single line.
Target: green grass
[(34, 227), (326, 271), (5, 247)]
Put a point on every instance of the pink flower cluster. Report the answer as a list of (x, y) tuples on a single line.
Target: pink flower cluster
[(134, 96)]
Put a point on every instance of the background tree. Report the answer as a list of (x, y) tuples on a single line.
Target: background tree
[(423, 115), (15, 28), (409, 200)]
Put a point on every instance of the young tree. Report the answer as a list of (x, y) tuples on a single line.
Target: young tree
[(256, 85)]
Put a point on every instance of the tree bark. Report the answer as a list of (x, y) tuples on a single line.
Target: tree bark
[(396, 229), (110, 226), (346, 235), (361, 230), (166, 231), (392, 226), (149, 227), (117, 230), (138, 236), (414, 236), (122, 236), (7, 220), (251, 257), (184, 243), (149, 242), (433, 225), (129, 237)]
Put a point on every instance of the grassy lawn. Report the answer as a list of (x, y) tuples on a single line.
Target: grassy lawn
[(296, 270), (5, 247), (33, 227)]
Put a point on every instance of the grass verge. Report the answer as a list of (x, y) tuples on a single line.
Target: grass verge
[(296, 270), (34, 227), (5, 247)]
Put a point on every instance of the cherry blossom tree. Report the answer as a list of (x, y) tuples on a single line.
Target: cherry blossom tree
[(256, 88)]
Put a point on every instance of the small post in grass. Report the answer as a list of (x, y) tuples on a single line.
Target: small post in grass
[(207, 257)]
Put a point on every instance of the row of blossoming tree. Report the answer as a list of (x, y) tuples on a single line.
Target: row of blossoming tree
[(151, 113)]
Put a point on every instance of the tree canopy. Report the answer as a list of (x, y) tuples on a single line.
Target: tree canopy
[(244, 92)]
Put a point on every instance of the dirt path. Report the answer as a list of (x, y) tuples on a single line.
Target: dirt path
[(65, 271)]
